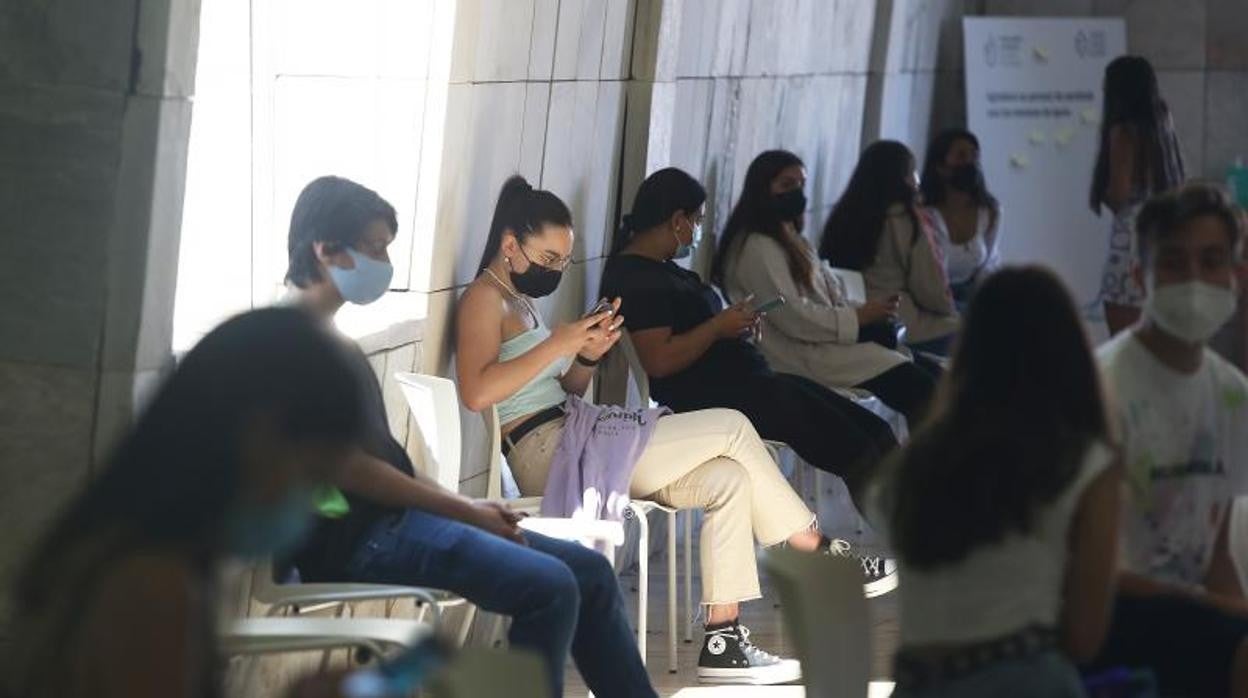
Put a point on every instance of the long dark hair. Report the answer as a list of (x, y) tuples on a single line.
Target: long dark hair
[(1018, 409), (523, 210), (934, 187), (172, 478), (661, 195), (332, 210), (851, 236), (754, 213), (1133, 99)]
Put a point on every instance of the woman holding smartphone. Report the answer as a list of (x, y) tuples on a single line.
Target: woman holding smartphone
[(817, 333), (696, 351), (711, 460)]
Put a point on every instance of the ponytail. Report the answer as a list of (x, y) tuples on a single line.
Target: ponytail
[(523, 210)]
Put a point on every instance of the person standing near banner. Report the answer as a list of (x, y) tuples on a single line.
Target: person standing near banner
[(1139, 156)]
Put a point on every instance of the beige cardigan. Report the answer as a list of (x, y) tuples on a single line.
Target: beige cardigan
[(815, 334), (913, 269)]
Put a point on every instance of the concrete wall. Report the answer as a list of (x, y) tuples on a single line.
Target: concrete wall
[(94, 108)]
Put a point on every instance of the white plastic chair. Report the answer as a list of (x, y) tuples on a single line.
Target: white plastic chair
[(854, 284), (243, 636), (825, 615), (434, 402), (306, 597), (636, 508)]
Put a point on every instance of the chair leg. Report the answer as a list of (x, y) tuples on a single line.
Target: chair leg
[(643, 581), (672, 593), (470, 615), (690, 614)]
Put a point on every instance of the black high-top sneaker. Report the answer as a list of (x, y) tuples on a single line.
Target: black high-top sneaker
[(728, 656), (880, 572)]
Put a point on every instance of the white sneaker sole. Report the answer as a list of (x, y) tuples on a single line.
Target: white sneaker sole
[(880, 586), (788, 671)]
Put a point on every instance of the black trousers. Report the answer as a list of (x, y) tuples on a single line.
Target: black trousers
[(906, 388), (825, 429)]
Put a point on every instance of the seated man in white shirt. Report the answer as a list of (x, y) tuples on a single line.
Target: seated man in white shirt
[(1183, 410)]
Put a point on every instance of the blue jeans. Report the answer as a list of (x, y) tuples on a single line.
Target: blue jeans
[(1044, 675), (561, 596)]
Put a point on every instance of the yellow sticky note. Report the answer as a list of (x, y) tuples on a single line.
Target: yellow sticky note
[(1062, 137), (1018, 161), (1038, 137), (1041, 53), (1089, 116)]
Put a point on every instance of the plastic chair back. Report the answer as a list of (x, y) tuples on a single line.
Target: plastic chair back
[(641, 381), (825, 615), (434, 403), (855, 285)]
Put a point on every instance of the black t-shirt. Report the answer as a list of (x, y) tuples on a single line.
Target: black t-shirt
[(332, 543), (662, 294)]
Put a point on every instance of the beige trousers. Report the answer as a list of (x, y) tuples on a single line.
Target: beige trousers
[(712, 460)]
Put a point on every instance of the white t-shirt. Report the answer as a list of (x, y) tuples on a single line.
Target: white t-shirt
[(998, 588), (1185, 439), (963, 261)]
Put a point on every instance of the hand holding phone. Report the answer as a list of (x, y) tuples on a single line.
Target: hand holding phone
[(767, 307), (603, 306)]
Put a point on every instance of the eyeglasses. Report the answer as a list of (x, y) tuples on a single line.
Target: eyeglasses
[(548, 259)]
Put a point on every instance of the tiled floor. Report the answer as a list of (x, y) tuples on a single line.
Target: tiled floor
[(767, 631)]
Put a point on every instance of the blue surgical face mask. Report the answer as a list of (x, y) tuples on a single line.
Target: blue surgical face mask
[(255, 530), (368, 281), (684, 250)]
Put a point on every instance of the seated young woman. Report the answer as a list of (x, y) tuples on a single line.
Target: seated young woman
[(816, 332), (119, 599), (711, 460), (1017, 467), (697, 356), (965, 216), (877, 228)]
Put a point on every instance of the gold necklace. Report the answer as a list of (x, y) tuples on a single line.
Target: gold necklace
[(528, 305)]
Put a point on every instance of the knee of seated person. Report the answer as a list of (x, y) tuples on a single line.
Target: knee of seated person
[(734, 421), (721, 480), (555, 584)]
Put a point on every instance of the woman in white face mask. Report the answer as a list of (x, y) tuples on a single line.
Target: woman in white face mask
[(1184, 413)]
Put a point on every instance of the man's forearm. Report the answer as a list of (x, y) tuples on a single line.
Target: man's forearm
[(1135, 584), (375, 480)]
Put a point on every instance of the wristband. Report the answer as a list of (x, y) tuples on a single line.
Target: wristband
[(586, 362)]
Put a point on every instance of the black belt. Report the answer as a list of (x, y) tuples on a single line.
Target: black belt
[(916, 672), (522, 429)]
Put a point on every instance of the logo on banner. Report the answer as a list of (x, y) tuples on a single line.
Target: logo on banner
[(1004, 50), (1090, 44)]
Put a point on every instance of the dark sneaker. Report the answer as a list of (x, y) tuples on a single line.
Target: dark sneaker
[(880, 572), (729, 657)]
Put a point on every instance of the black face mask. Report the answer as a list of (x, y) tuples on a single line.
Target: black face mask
[(537, 280), (966, 178), (789, 205)]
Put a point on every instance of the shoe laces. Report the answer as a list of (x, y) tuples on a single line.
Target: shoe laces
[(839, 547), (756, 656)]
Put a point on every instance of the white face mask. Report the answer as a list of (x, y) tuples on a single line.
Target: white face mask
[(1192, 311), (368, 281)]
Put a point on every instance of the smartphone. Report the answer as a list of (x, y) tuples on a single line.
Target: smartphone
[(604, 306), (763, 308)]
